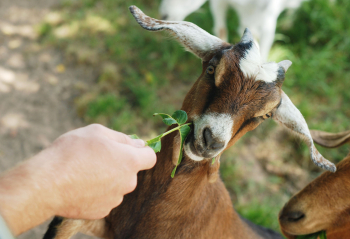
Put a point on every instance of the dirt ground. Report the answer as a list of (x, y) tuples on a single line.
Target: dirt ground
[(36, 88)]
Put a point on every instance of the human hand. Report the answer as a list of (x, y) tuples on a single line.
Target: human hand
[(84, 174), (94, 168)]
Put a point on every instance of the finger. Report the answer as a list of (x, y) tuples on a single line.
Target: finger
[(146, 158), (125, 139), (138, 143), (118, 136)]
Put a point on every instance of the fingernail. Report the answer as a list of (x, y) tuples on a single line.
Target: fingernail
[(139, 142)]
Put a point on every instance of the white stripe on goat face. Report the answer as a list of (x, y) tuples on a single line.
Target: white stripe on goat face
[(251, 64), (220, 125)]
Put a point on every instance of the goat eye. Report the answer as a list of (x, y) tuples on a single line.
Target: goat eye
[(267, 116), (210, 70)]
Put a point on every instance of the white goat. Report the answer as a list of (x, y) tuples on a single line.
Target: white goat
[(260, 16)]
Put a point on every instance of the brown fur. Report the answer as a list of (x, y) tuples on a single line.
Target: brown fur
[(195, 204), (204, 208), (195, 196), (70, 227), (325, 203)]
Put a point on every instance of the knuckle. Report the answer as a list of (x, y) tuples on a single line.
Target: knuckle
[(96, 127), (66, 140), (125, 138)]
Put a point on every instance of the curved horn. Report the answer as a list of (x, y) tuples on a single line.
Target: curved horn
[(192, 37), (288, 115)]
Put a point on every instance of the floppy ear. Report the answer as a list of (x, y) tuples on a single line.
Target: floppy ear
[(330, 140), (192, 37), (288, 115)]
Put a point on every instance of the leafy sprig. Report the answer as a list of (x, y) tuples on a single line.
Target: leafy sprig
[(321, 234), (179, 117)]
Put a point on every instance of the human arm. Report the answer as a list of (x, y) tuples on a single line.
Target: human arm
[(70, 178)]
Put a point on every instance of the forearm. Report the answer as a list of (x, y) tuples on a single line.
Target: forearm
[(23, 195), (70, 177)]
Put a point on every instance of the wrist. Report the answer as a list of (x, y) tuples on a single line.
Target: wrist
[(26, 194)]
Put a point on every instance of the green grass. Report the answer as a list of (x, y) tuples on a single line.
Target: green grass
[(143, 72)]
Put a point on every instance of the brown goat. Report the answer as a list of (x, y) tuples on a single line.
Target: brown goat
[(233, 95), (324, 204)]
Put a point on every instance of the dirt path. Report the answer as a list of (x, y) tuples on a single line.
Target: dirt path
[(36, 89)]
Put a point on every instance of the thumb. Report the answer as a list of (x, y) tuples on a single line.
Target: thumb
[(138, 143), (146, 158)]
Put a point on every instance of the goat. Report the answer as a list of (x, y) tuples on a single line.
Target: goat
[(323, 205), (260, 16), (233, 95)]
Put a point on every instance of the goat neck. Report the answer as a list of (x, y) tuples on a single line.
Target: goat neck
[(187, 205)]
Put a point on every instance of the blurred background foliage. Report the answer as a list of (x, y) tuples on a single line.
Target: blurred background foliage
[(141, 72)]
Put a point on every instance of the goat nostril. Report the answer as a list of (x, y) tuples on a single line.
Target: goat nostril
[(210, 142), (293, 216), (217, 146), (207, 136)]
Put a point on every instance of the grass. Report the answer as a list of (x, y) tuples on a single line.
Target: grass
[(144, 72)]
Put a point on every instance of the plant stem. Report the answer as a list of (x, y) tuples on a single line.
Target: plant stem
[(170, 131)]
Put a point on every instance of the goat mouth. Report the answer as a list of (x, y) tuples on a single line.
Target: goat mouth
[(311, 235), (196, 151), (190, 148)]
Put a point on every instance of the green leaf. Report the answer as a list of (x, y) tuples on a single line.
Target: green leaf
[(156, 146), (134, 136), (180, 116), (184, 131), (173, 172), (154, 140), (310, 236), (155, 143), (323, 235), (163, 115), (167, 119)]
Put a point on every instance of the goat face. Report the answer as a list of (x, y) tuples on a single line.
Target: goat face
[(234, 93), (231, 98), (322, 205)]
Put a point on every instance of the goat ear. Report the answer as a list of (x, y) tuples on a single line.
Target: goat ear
[(285, 64), (288, 115), (330, 140), (282, 69), (192, 37), (251, 63)]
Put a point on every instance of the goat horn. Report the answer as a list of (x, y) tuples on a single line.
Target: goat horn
[(247, 36), (194, 38), (288, 115)]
